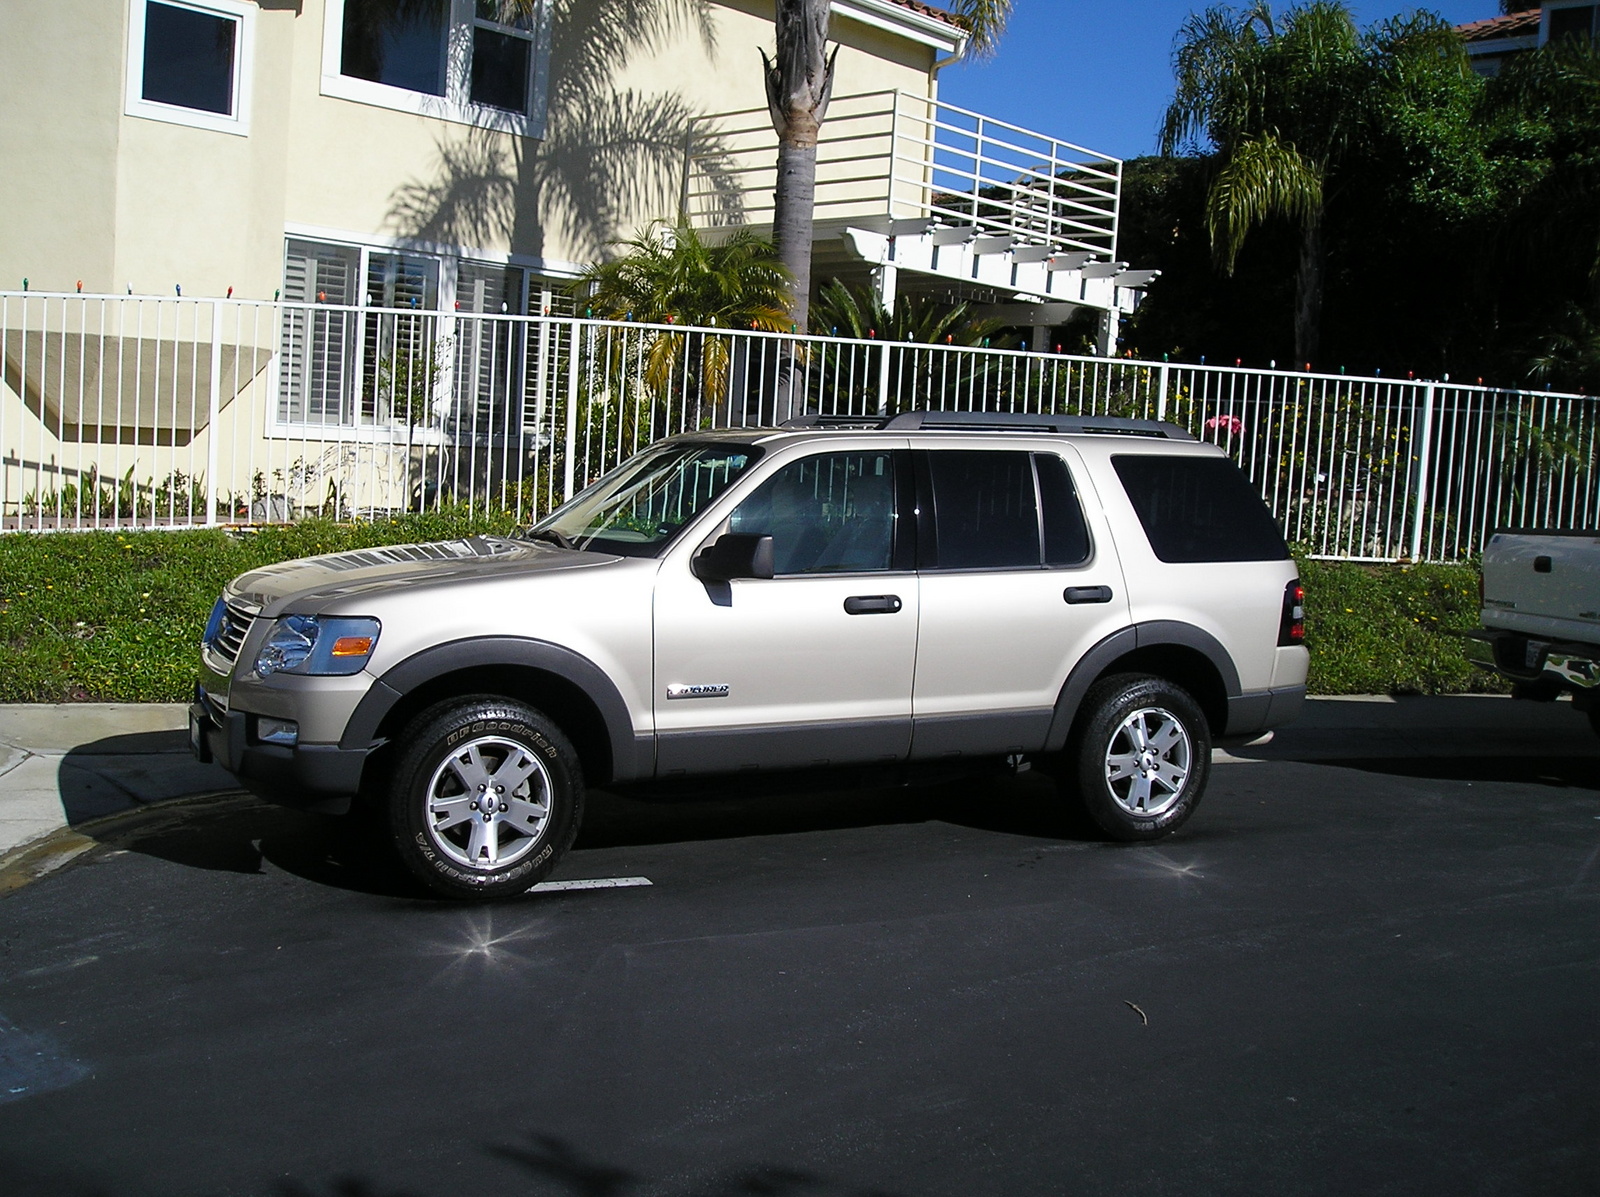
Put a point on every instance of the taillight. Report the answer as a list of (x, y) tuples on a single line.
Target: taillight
[(1292, 629)]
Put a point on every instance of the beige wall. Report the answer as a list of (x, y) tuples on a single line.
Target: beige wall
[(60, 114)]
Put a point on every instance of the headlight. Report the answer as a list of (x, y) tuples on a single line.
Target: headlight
[(324, 646)]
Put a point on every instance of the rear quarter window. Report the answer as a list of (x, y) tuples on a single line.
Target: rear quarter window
[(1199, 509)]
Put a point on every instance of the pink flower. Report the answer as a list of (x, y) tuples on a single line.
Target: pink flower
[(1233, 425)]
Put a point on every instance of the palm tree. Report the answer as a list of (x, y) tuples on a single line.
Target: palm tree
[(1281, 102), (668, 274), (799, 79)]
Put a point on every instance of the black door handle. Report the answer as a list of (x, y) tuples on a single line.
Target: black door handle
[(872, 604), (1087, 594)]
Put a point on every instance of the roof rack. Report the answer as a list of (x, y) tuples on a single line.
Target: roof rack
[(1018, 421)]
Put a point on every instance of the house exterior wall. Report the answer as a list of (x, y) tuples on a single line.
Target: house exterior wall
[(123, 201)]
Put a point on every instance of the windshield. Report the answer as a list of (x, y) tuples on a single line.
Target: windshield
[(638, 507)]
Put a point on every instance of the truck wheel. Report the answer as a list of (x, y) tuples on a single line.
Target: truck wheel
[(1141, 754), (486, 797)]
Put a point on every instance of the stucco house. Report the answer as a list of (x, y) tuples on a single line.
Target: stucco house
[(1490, 42)]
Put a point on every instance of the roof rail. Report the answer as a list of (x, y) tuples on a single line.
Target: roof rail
[(816, 421), (1018, 421)]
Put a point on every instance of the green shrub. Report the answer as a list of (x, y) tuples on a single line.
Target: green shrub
[(1391, 629), (116, 617)]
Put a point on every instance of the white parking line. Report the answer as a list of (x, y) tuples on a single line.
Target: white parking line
[(546, 887)]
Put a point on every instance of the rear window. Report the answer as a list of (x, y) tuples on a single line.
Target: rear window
[(1199, 509)]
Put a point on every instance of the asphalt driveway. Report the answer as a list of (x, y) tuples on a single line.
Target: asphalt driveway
[(1368, 964)]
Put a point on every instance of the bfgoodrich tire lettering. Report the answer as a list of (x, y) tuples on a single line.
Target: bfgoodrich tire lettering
[(486, 797), (1140, 755)]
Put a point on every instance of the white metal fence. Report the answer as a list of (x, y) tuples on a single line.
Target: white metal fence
[(137, 412)]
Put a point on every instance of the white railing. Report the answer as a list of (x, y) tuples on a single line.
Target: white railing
[(890, 156), (129, 412)]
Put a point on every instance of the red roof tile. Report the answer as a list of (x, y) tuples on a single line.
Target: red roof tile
[(928, 10), (1518, 24)]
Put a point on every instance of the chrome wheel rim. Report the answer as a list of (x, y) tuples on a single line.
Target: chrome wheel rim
[(1148, 759), (488, 803)]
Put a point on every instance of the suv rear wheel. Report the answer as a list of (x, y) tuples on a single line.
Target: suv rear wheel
[(487, 796), (1141, 755)]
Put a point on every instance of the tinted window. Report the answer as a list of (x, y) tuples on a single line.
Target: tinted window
[(833, 513), (1066, 536), (1200, 509), (188, 58), (986, 510), (397, 42)]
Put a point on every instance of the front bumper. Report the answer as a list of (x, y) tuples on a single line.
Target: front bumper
[(1548, 664), (319, 777)]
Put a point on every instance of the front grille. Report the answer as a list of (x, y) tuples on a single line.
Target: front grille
[(236, 621)]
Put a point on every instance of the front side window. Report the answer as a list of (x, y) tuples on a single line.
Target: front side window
[(188, 63), (479, 62), (832, 513), (638, 508)]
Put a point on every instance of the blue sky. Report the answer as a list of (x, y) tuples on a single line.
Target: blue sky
[(1098, 72)]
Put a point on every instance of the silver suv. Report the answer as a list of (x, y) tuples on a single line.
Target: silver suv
[(1101, 597)]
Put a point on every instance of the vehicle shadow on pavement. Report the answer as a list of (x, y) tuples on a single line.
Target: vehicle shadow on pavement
[(118, 773), (238, 833)]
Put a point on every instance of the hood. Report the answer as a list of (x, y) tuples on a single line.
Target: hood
[(313, 582)]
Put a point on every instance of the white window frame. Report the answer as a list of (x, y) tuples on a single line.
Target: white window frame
[(455, 105), (244, 18)]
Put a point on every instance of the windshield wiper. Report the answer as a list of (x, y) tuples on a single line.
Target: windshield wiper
[(554, 537)]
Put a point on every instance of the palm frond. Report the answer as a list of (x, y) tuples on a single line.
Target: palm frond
[(985, 23), (1264, 177)]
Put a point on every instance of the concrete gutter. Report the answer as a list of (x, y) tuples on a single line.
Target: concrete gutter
[(62, 766)]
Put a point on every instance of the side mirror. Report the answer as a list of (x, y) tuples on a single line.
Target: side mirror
[(734, 555)]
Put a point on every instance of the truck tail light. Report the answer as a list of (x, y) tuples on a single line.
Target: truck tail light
[(1292, 629)]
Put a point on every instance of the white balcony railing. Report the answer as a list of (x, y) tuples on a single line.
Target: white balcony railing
[(135, 412), (894, 157)]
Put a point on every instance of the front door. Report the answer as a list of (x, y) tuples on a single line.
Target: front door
[(812, 666)]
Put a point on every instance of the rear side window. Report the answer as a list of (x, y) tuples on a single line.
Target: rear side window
[(1066, 536), (986, 509), (1199, 509)]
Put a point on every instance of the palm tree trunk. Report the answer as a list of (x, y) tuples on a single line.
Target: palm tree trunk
[(1308, 292), (799, 81)]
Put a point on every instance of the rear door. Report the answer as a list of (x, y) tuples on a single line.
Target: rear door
[(1018, 580)]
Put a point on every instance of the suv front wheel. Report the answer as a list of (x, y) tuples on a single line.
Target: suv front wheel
[(1140, 754), (487, 796)]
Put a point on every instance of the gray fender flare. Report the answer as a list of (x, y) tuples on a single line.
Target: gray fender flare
[(1141, 635), (629, 758)]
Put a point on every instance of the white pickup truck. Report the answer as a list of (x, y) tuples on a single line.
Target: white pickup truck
[(1541, 615)]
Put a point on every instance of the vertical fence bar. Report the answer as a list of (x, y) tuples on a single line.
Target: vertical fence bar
[(1424, 460), (215, 413)]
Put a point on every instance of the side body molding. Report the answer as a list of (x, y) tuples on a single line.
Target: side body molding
[(1141, 635), (632, 756)]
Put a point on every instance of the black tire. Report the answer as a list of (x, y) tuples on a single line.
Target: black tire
[(469, 840), (1139, 792), (1594, 716)]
